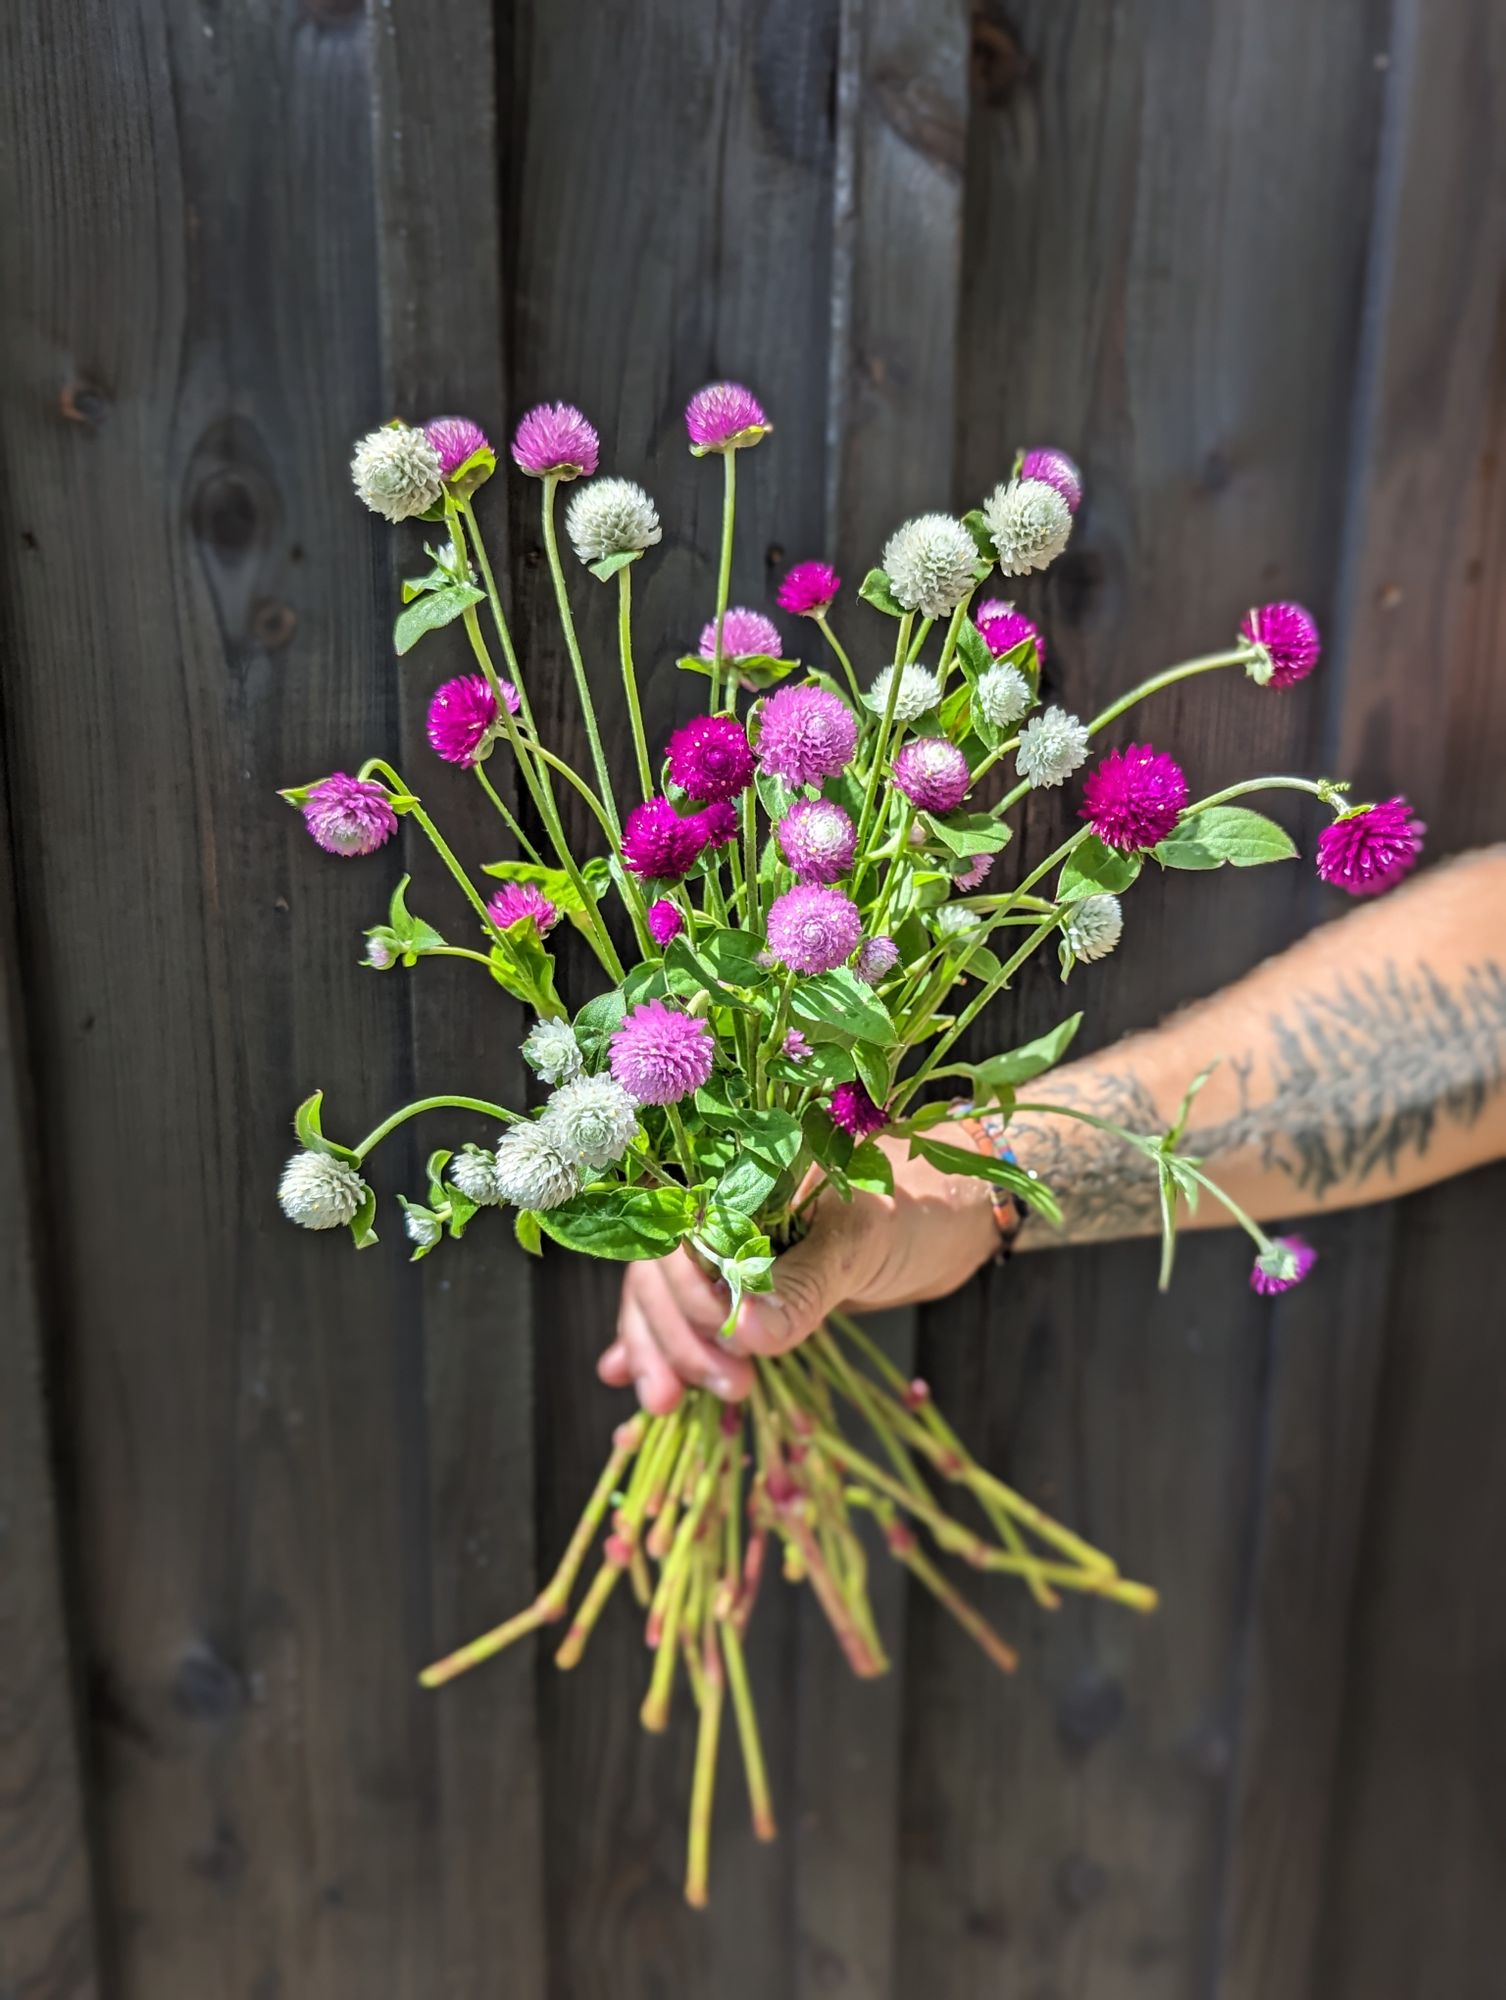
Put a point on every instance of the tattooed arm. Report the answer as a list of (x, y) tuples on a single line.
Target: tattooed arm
[(1367, 1060)]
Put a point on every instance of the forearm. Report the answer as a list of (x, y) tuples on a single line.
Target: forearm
[(1367, 1060)]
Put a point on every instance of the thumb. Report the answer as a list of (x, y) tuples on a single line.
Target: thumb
[(810, 1280)]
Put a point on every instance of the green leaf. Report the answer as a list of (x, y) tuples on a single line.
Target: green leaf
[(525, 1226), (873, 1069), (361, 1231), (522, 966), (824, 1062), (972, 649), (773, 1135), (597, 1022), (429, 612), (719, 962), (875, 590), (1095, 869), (977, 527), (621, 1223), (837, 1006), (968, 1159), (969, 833), (747, 1184), (1031, 1059), (608, 567), (870, 1170), (438, 578), (306, 1124), (739, 1250), (1222, 834), (754, 670)]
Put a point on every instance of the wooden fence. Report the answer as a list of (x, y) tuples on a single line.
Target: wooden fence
[(1248, 261)]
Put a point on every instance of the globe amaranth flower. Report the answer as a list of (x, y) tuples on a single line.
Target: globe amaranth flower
[(660, 843), (808, 589), (855, 1112), (933, 774), (951, 920), (455, 439), (1029, 522), (818, 840), (1052, 746), (1289, 643), (421, 1227), (611, 517), (919, 691), (716, 824), (710, 758), (660, 1054), (1003, 694), (746, 635), (813, 930), (665, 922), (396, 472), (463, 718), (555, 438), (516, 900), (1134, 797), (796, 1048), (1054, 468), (1094, 927), (723, 417), (806, 734), (473, 1173), (349, 815), (975, 874), (591, 1121), (1284, 1265), (1002, 628), (552, 1052), (530, 1170), (931, 563), (1369, 849), (317, 1191), (877, 958)]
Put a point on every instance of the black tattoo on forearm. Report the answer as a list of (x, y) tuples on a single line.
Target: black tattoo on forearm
[(1352, 1083)]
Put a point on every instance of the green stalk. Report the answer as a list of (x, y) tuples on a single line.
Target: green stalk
[(724, 570), (1239, 657), (507, 819), (836, 646), (572, 646), (881, 741), (971, 1012), (390, 1124), (630, 678)]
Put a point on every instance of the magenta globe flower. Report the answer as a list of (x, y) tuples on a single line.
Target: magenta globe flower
[(808, 589), (1289, 637), (1287, 1264), (348, 815), (659, 843), (455, 439), (665, 922), (806, 735), (855, 1112), (716, 824), (746, 635), (1054, 468), (1371, 848), (463, 717), (975, 874), (877, 958), (818, 840), (724, 416), (516, 900), (1134, 797), (555, 438), (660, 1055), (813, 930), (1002, 628), (933, 774), (710, 758)]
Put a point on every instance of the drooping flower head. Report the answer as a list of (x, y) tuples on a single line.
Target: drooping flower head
[(455, 439), (611, 517), (591, 1121), (1052, 745), (877, 958), (396, 472), (317, 1191), (1005, 628), (1289, 643), (1054, 467), (1029, 522), (746, 635), (420, 1227), (975, 873), (933, 774), (665, 922), (813, 930), (954, 920), (716, 824), (349, 815), (1003, 694), (660, 1054), (796, 1048), (724, 416), (474, 1172), (1133, 797), (919, 691), (552, 1052), (1284, 1265), (818, 839), (556, 438), (710, 758), (463, 718), (1369, 849), (516, 900), (530, 1169), (932, 563), (1094, 927), (806, 735), (659, 843), (808, 589), (855, 1112)]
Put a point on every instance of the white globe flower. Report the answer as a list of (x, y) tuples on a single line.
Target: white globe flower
[(931, 563), (1051, 748), (422, 1229), (919, 690), (318, 1191), (1029, 522), (396, 472), (474, 1174), (1003, 695), (552, 1052), (611, 517), (531, 1170), (1094, 927), (591, 1121), (952, 921)]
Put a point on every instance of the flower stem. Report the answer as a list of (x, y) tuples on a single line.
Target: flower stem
[(1319, 788), (507, 818), (572, 646), (724, 571), (504, 636), (1239, 657), (630, 677), (703, 1782), (881, 741), (759, 1798), (481, 1104), (837, 647)]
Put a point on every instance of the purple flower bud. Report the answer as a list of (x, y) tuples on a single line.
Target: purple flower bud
[(516, 900), (463, 717), (806, 735), (1133, 798), (723, 416), (660, 1055), (1002, 628), (665, 922), (817, 839), (933, 774), (349, 815), (717, 825), (556, 438), (455, 439), (808, 589), (813, 930), (1368, 850), (659, 843), (746, 635), (1054, 468), (877, 958), (796, 1048), (710, 758), (855, 1112), (1285, 1265), (1290, 639)]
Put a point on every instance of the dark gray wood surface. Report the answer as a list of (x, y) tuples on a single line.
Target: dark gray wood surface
[(1248, 263)]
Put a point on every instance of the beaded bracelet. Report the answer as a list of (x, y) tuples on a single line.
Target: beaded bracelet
[(1010, 1209)]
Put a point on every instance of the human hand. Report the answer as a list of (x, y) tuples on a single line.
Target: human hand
[(921, 1242)]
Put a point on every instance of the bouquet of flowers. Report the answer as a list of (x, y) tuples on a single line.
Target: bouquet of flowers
[(796, 922)]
